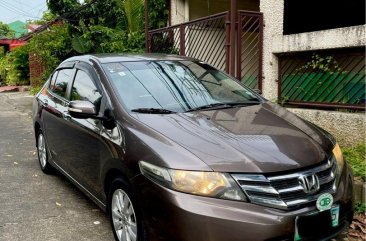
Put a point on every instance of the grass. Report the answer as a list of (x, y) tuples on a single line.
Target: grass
[(355, 156)]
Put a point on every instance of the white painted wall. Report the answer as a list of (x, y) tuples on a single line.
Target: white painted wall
[(354, 36), (178, 11)]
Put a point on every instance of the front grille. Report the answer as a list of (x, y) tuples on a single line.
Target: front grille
[(286, 191)]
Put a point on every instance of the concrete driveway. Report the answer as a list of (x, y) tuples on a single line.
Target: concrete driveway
[(35, 206)]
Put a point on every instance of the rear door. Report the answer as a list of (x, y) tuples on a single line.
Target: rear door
[(55, 115)]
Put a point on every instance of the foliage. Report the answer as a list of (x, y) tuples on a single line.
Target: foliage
[(355, 156), (360, 207), (158, 13), (107, 26), (5, 31), (100, 39), (321, 64), (60, 7), (107, 10), (51, 47), (46, 17), (35, 90), (134, 14), (14, 67)]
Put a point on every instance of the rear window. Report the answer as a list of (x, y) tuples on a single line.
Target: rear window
[(64, 76)]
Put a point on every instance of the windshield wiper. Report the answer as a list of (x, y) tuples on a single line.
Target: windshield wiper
[(225, 105), (210, 106), (153, 111), (246, 103)]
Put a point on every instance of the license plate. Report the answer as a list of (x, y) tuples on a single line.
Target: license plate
[(323, 220)]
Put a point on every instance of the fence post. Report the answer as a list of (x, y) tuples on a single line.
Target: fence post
[(182, 40), (227, 43), (260, 67), (147, 44), (233, 13), (239, 43), (279, 86)]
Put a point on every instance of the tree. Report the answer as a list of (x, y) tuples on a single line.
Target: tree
[(134, 14), (5, 31), (60, 7)]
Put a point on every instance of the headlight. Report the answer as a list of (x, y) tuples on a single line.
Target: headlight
[(338, 156), (209, 184)]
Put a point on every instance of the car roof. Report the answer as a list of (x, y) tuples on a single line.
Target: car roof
[(112, 58)]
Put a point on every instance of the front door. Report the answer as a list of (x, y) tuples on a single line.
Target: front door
[(83, 155)]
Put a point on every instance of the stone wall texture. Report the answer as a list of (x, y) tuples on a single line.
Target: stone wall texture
[(348, 128)]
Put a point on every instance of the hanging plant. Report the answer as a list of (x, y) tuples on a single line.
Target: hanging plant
[(321, 64)]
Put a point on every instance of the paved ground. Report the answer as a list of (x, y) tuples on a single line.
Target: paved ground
[(35, 206)]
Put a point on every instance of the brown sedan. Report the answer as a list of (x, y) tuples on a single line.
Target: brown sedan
[(174, 149)]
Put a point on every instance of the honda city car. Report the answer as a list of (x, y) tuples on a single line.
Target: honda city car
[(174, 149)]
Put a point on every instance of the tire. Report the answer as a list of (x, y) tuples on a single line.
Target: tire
[(43, 154), (124, 213)]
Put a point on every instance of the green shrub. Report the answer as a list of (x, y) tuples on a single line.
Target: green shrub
[(14, 67), (360, 207), (355, 156), (52, 47)]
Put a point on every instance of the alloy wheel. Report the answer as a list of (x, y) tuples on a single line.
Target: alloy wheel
[(123, 216), (42, 155)]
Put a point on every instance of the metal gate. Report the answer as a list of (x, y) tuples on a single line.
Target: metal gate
[(208, 39), (329, 79), (250, 46)]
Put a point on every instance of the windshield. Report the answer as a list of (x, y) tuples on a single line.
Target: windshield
[(175, 86)]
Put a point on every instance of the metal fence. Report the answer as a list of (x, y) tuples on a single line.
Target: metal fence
[(250, 45), (323, 79), (204, 39), (208, 39)]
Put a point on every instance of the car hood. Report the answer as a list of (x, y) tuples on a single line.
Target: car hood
[(254, 139)]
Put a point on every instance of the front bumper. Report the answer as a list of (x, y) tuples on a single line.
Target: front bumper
[(174, 216)]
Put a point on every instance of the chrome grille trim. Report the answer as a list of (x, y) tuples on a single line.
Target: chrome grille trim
[(285, 191), (264, 189)]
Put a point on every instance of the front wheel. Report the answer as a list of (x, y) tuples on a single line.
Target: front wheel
[(125, 217)]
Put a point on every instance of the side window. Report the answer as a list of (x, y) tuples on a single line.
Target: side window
[(85, 89), (63, 78), (53, 80)]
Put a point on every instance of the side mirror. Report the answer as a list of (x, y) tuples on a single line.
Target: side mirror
[(82, 109), (258, 91)]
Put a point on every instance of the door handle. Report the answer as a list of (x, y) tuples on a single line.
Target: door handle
[(66, 115)]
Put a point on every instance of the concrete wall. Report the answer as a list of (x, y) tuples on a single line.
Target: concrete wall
[(348, 128), (327, 39), (178, 11), (273, 20)]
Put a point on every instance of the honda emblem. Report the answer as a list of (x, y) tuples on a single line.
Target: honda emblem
[(309, 183)]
